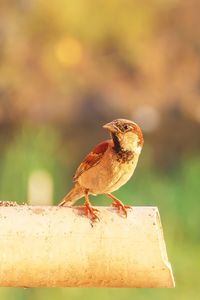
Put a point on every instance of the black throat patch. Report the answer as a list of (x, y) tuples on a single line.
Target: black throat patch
[(122, 155)]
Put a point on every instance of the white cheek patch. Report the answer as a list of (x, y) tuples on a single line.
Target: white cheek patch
[(138, 150), (130, 142)]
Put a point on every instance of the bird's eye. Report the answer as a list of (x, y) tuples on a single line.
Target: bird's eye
[(126, 127)]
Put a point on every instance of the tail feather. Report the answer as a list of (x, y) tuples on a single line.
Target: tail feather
[(75, 194)]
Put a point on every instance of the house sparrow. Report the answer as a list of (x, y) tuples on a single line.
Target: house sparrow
[(108, 166)]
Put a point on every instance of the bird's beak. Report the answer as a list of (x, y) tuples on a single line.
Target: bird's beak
[(111, 127)]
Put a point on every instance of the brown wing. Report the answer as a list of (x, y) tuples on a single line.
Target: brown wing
[(92, 159)]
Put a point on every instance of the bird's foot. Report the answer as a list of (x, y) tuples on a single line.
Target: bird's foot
[(120, 207), (91, 212)]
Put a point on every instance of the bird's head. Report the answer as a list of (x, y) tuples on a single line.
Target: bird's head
[(127, 132)]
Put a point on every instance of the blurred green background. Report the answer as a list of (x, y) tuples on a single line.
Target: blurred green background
[(66, 68)]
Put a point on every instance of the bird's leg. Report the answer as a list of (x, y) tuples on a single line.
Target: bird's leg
[(62, 203), (119, 205), (88, 207)]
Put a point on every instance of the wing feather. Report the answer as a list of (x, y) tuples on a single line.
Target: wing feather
[(92, 159)]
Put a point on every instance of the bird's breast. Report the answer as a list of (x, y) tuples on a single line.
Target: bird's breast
[(124, 170), (109, 174)]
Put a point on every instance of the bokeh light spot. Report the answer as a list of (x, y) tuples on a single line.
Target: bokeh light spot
[(68, 52), (148, 117)]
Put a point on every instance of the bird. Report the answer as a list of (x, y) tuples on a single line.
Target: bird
[(107, 167)]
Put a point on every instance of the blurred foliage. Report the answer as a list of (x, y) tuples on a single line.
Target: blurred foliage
[(130, 52), (67, 67), (79, 63), (29, 151)]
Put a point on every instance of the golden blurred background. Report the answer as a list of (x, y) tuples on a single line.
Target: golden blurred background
[(66, 68)]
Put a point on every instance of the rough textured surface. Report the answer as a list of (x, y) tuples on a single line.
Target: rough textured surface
[(60, 247), (8, 203)]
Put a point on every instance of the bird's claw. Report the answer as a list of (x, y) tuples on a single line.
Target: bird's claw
[(91, 212), (121, 207)]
